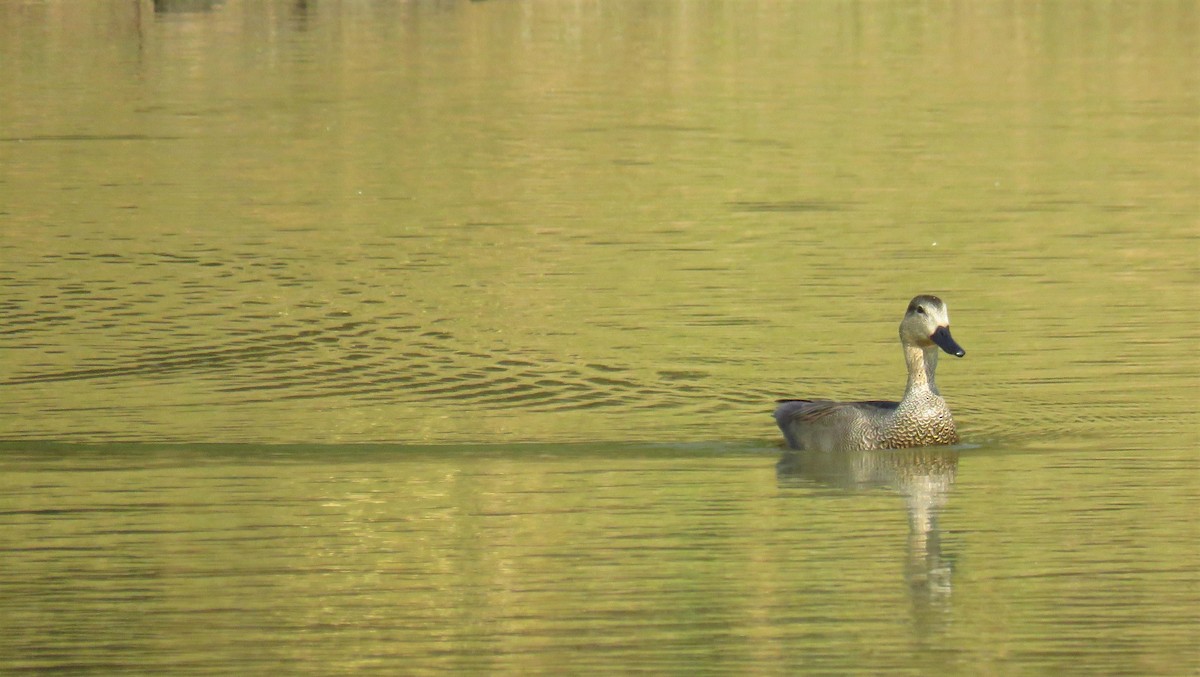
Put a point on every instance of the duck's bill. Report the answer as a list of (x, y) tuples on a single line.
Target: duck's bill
[(941, 336)]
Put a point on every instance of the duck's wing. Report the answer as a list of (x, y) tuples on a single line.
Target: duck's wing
[(814, 410), (886, 405)]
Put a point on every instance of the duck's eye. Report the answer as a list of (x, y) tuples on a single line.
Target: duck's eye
[(921, 309)]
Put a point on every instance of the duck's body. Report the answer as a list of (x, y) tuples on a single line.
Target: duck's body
[(921, 418)]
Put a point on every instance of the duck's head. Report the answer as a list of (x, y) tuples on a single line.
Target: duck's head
[(927, 323)]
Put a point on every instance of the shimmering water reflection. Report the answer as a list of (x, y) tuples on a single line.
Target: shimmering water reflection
[(544, 559)]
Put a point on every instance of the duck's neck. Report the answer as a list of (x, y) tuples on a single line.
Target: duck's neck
[(921, 364)]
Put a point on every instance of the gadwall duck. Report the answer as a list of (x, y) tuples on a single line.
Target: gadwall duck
[(920, 419)]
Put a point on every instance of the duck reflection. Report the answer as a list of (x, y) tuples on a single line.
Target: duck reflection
[(922, 476), (185, 6)]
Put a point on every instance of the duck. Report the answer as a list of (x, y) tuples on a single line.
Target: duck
[(920, 419)]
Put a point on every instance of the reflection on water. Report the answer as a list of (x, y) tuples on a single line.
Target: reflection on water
[(183, 6), (565, 559), (923, 477)]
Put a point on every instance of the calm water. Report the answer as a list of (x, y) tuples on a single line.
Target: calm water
[(443, 336)]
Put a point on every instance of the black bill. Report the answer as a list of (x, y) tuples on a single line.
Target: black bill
[(941, 336)]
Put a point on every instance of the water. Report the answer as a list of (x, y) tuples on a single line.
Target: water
[(443, 337), (570, 558)]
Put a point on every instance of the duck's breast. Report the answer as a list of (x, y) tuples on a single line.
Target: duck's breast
[(925, 426)]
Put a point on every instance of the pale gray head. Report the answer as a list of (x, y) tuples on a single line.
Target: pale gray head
[(927, 323)]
